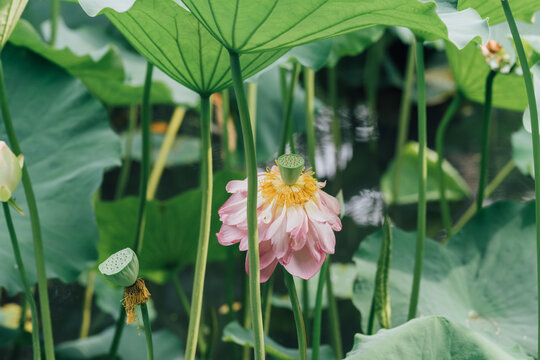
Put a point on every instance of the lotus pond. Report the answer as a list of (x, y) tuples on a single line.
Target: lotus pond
[(282, 179)]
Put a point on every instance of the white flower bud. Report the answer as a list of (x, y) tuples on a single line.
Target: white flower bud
[(10, 171)]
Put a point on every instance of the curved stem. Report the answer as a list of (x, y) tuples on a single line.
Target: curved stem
[(252, 106), (147, 332), (527, 77), (485, 139), (204, 230), (168, 142), (309, 87), (267, 303), (439, 144), (298, 319), (253, 243), (490, 188), (36, 227), (181, 294), (404, 116), (145, 159), (118, 330), (145, 170), (333, 312), (317, 314), (226, 113), (27, 291), (87, 305), (422, 176), (126, 162), (287, 127)]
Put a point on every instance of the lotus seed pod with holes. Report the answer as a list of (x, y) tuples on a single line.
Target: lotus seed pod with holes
[(290, 167), (121, 268)]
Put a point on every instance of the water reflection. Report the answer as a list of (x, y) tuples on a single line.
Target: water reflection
[(366, 208)]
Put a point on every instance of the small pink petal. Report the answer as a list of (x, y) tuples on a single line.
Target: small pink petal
[(236, 186), (267, 271), (314, 213), (229, 235), (325, 236), (303, 265), (276, 224), (330, 202)]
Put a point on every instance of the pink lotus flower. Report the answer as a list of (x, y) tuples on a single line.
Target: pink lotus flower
[(296, 222)]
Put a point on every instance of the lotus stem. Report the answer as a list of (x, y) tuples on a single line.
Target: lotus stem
[(204, 230), (485, 139), (298, 318), (441, 133), (253, 243), (422, 180), (29, 297)]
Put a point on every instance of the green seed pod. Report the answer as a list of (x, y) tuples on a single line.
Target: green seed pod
[(121, 268), (290, 167)]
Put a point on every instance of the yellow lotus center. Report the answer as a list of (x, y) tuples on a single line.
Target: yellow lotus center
[(272, 187)]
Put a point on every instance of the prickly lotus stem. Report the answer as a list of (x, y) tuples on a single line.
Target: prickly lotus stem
[(134, 295)]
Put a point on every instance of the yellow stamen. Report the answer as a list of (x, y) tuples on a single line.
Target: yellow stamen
[(134, 295), (273, 187)]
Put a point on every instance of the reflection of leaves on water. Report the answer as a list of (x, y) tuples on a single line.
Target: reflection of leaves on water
[(366, 208)]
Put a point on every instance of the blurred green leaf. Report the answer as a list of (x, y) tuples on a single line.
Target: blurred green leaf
[(522, 151), (111, 72), (432, 337), (234, 332), (492, 9), (270, 113), (483, 279), (275, 24), (470, 71), (343, 277), (456, 187), (132, 345), (171, 231), (67, 144), (10, 12), (353, 43), (171, 38), (185, 149), (312, 55)]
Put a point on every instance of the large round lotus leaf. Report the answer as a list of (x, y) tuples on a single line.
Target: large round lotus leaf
[(236, 333), (273, 24), (484, 279), (492, 9), (132, 345), (172, 39), (456, 187), (432, 337), (111, 71), (171, 231), (67, 144)]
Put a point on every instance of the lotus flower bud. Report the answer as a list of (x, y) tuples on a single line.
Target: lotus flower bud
[(10, 171)]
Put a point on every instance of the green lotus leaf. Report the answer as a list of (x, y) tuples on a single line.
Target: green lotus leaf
[(273, 24), (492, 9), (432, 337), (456, 187), (111, 71), (67, 144), (171, 231), (236, 333), (484, 279), (172, 39), (132, 345)]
